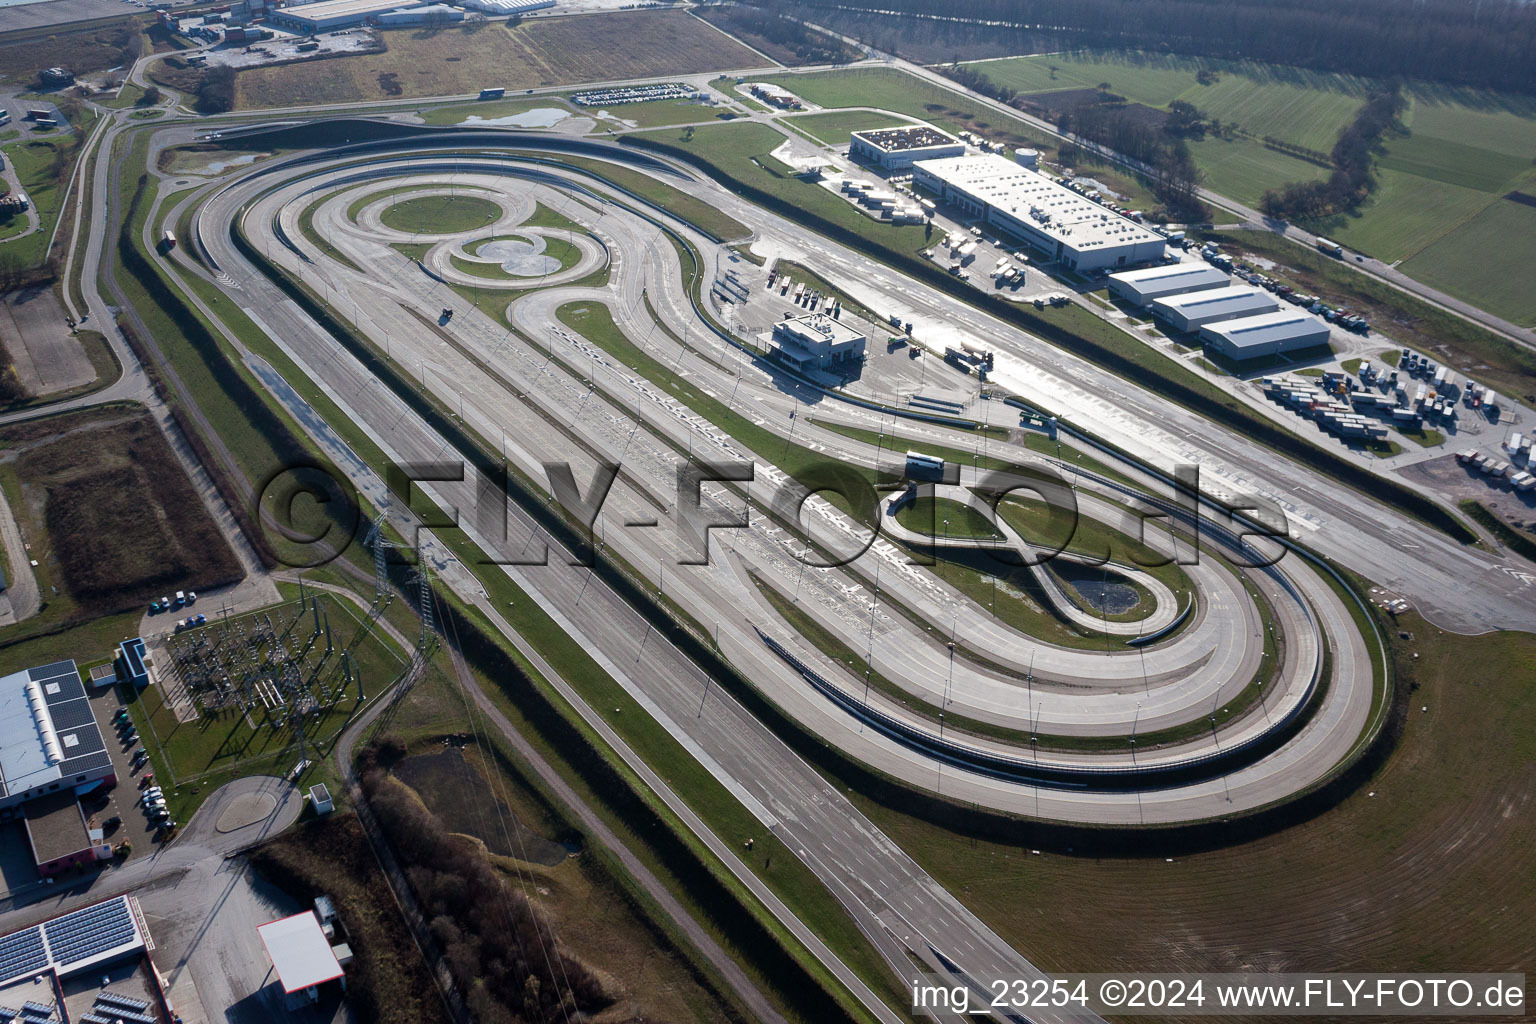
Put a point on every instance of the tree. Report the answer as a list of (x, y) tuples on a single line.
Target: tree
[(216, 90), (152, 96)]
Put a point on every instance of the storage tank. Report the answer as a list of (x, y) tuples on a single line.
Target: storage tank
[(1027, 157)]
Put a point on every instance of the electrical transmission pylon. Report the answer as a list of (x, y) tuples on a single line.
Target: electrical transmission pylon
[(428, 640), (381, 546)]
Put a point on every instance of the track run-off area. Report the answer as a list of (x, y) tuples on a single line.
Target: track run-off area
[(1246, 689)]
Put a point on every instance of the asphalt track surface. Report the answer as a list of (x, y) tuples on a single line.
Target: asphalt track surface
[(1095, 693), (542, 369)]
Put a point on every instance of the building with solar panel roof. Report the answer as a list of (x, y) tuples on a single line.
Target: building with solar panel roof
[(50, 741)]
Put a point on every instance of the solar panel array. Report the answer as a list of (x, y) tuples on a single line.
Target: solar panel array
[(40, 1013), (89, 932), (22, 953), (100, 1014), (31, 1013), (119, 1000)]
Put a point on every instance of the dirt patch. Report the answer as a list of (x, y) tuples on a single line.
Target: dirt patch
[(92, 49), (458, 793), (540, 53), (1052, 105), (47, 358), (119, 517)]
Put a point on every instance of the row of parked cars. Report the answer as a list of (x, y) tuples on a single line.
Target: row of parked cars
[(151, 797), (165, 604)]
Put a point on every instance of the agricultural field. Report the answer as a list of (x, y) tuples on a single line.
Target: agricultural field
[(109, 514), (1438, 208), (538, 54), (1488, 258), (1298, 107), (1304, 108), (1453, 209), (1243, 169)]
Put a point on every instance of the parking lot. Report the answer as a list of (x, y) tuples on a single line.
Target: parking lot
[(121, 801)]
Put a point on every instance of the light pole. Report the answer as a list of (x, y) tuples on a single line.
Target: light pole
[(1134, 722)]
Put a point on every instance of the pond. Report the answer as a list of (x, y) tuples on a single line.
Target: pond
[(1107, 597)]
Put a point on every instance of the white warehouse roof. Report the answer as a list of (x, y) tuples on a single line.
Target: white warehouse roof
[(300, 952), (1040, 205), (332, 13), (1266, 334), (1196, 309), (48, 733), (1150, 283)]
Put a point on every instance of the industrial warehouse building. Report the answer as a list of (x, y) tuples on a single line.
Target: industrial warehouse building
[(1268, 334), (816, 342), (506, 8), (85, 940), (1067, 227), (431, 14), (1194, 310), (329, 15), (1145, 286), (49, 739), (898, 148)]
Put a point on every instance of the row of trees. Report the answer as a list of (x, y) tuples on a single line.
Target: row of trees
[(1487, 44), (503, 955), (1353, 158), (808, 45), (1171, 169), (1105, 120)]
